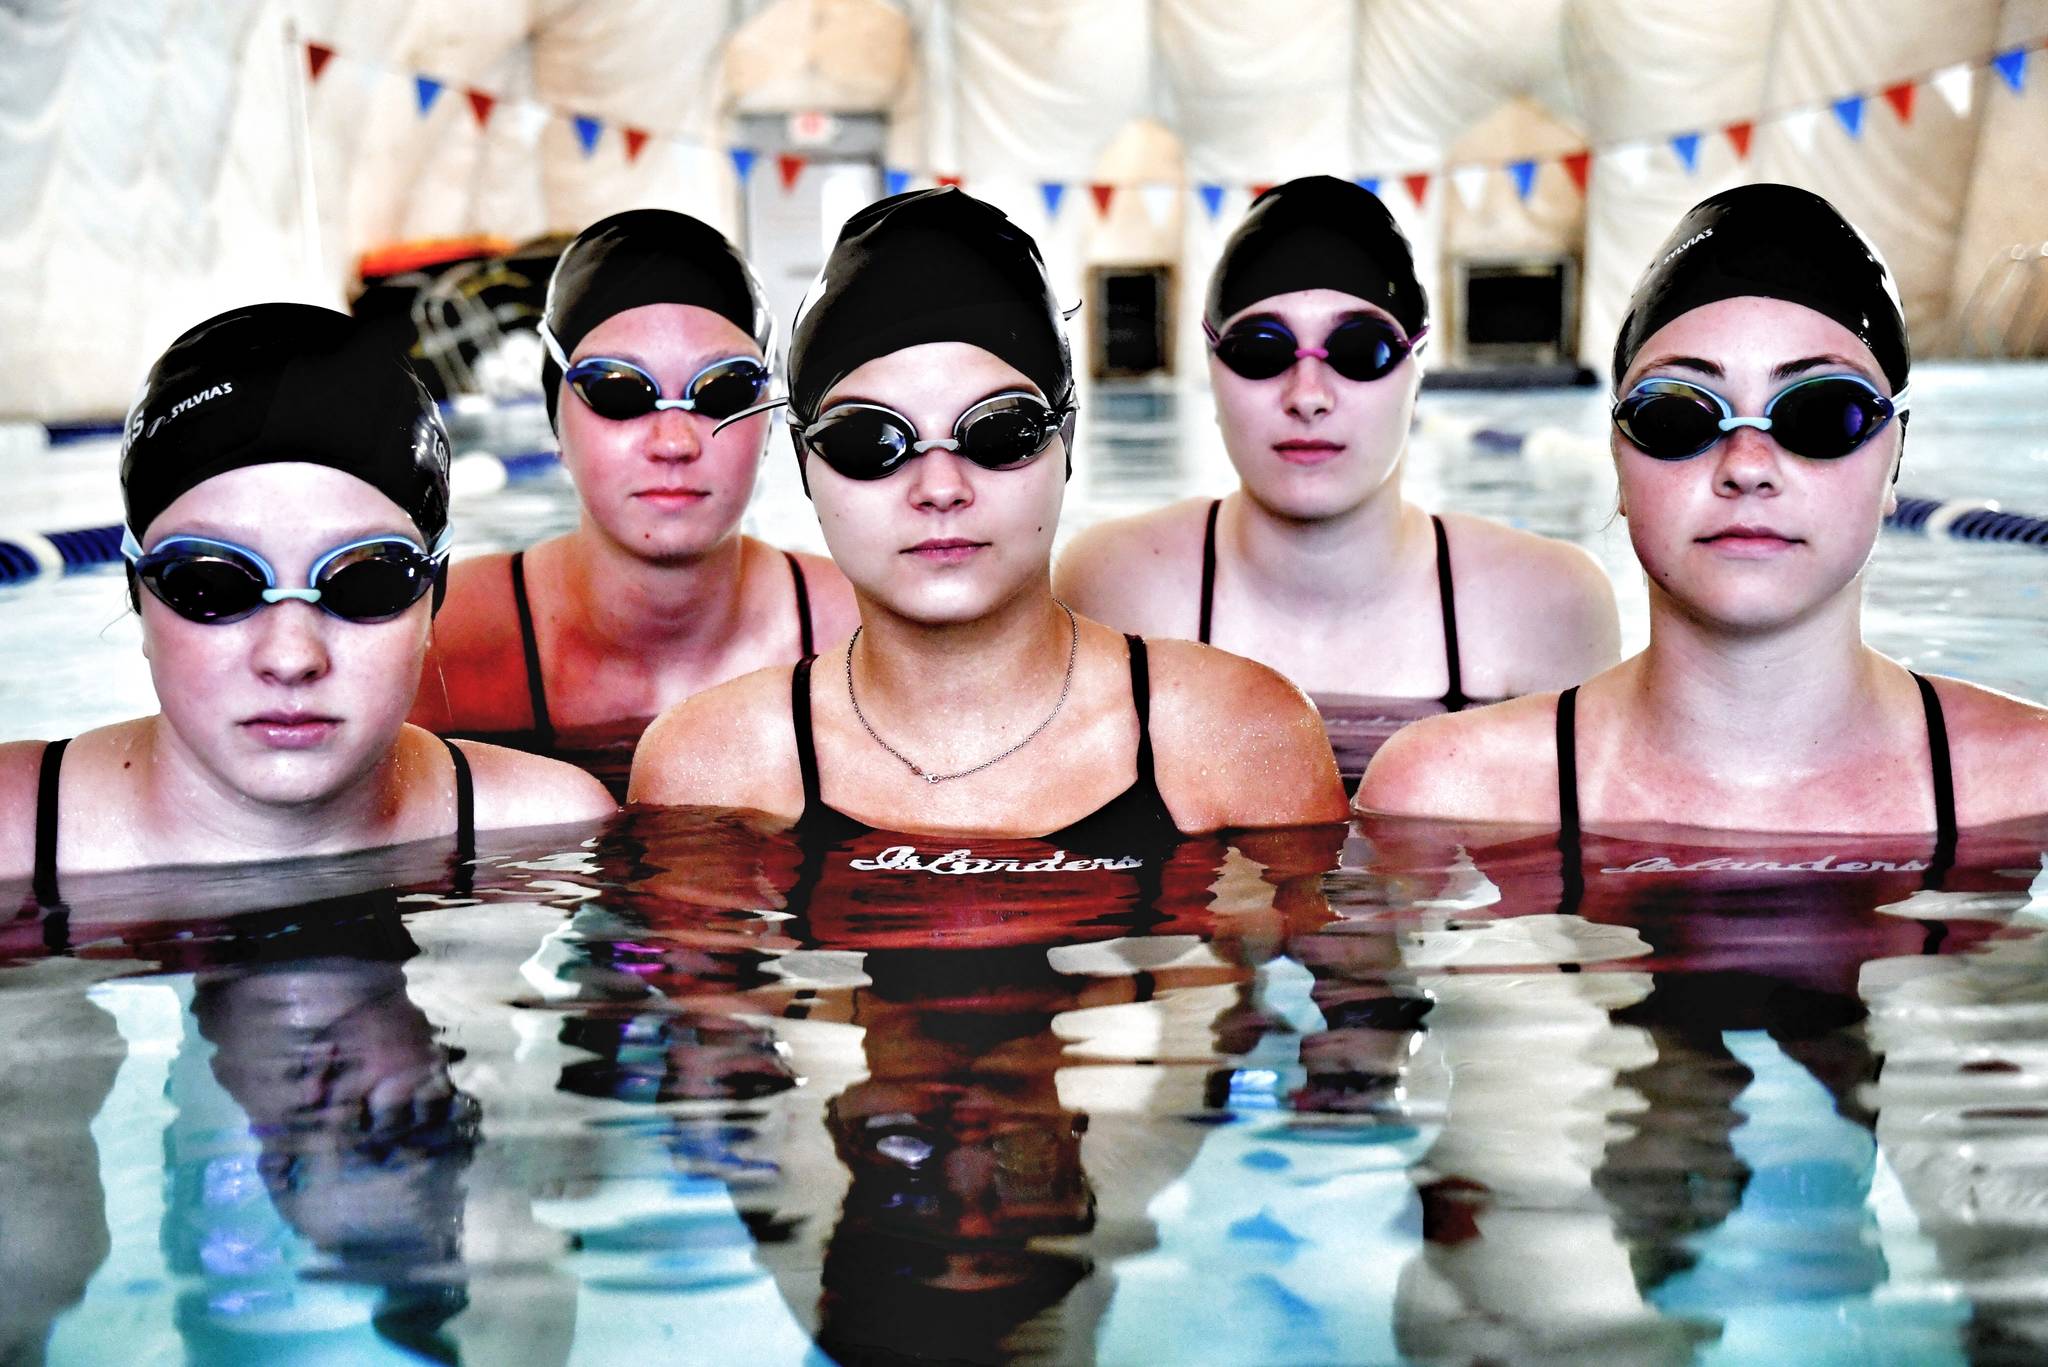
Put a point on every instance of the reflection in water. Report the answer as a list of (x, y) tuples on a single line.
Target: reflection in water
[(698, 1093)]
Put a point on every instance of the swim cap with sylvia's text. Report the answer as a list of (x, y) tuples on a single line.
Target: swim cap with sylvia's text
[(285, 382), (1776, 242), (1318, 232)]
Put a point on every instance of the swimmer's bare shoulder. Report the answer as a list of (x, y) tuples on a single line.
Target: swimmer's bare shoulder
[(21, 763), (1495, 763), (474, 678), (514, 789), (1998, 752), (729, 746), (1235, 744), (1140, 574), (1541, 610)]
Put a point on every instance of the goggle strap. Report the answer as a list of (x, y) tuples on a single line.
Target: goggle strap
[(745, 413), (555, 352), (131, 549), (1902, 401)]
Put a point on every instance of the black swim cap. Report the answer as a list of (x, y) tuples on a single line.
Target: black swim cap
[(1780, 242), (1318, 233), (648, 256), (285, 382), (928, 266)]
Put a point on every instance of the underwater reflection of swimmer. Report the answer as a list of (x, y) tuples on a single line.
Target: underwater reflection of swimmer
[(670, 1056)]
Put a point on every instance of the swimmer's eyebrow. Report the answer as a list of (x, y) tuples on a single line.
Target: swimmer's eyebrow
[(1805, 363), (1704, 367)]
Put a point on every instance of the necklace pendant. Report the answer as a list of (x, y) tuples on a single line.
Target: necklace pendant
[(928, 778)]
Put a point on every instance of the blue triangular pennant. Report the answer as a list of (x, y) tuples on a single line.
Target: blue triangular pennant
[(588, 131), (1849, 109), (1051, 192), (428, 90), (1369, 184), (1687, 145), (895, 182), (1212, 197), (1524, 173), (743, 162), (2013, 66)]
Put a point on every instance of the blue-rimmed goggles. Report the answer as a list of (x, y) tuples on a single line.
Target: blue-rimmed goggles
[(206, 580), (1824, 417)]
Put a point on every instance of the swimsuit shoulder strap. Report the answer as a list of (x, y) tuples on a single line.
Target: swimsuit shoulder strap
[(465, 804), (1570, 859), (536, 688), (1141, 699), (1208, 571), (1454, 695), (1943, 776), (806, 747), (806, 644), (45, 883)]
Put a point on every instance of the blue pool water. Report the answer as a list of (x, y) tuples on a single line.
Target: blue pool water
[(687, 1092)]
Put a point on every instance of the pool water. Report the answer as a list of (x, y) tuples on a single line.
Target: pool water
[(684, 1090)]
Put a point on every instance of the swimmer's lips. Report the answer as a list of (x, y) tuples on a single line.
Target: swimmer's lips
[(945, 550), (1302, 451), (292, 730), (672, 498), (1743, 541)]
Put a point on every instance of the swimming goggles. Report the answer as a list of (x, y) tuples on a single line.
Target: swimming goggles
[(1361, 348), (1823, 418), (621, 391), (216, 582), (867, 441)]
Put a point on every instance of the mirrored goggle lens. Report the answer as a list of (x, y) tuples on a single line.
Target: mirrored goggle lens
[(1006, 433), (374, 583), (1365, 349), (614, 391), (859, 443), (1827, 418), (727, 388), (1259, 352), (1669, 421), (204, 588)]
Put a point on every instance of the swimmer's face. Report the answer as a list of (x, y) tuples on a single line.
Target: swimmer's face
[(940, 539), (1309, 443), (1811, 524), (291, 704), (661, 486)]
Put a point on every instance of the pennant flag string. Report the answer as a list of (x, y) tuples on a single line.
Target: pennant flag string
[(1470, 183), (1578, 165), (588, 130), (1101, 193), (2013, 67), (1900, 98), (1687, 146), (1524, 174), (1418, 186), (636, 139), (789, 167), (1212, 197), (1369, 184), (317, 58), (1849, 109), (1051, 192), (480, 104), (1738, 138), (895, 182), (742, 162), (427, 89)]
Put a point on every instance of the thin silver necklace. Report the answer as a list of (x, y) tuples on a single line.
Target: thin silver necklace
[(1066, 684)]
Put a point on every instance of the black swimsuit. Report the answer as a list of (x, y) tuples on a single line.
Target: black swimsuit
[(1135, 819), (1454, 695), (1570, 835), (45, 885), (543, 734)]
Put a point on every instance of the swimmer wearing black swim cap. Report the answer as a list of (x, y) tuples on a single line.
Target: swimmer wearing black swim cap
[(660, 350), (931, 404), (285, 479), (1316, 564), (1760, 399)]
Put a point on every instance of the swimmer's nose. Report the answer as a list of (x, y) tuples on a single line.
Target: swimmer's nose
[(1747, 462), (291, 643), (939, 480), (1308, 395), (674, 436)]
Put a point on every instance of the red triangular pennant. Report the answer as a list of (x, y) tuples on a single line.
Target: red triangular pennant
[(1260, 188), (1102, 194), (953, 181), (1900, 98), (1738, 137), (636, 138), (317, 58), (1418, 186), (1578, 165), (481, 102), (791, 166)]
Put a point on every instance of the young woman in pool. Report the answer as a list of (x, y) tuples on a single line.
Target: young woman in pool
[(932, 404), (656, 332), (1316, 564), (285, 481), (1761, 381)]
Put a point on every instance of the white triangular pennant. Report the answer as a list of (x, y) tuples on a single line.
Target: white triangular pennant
[(528, 119), (1470, 183), (1954, 83), (1160, 201), (1799, 125), (1632, 159)]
